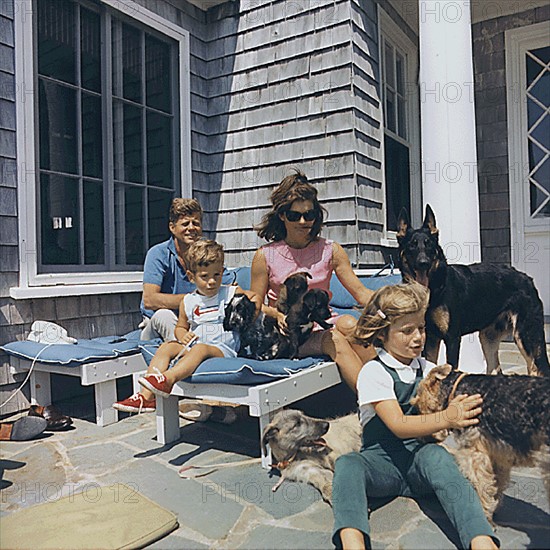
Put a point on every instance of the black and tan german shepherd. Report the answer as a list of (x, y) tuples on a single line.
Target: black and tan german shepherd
[(492, 299)]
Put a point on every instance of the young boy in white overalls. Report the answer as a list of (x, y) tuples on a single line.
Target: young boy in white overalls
[(199, 331)]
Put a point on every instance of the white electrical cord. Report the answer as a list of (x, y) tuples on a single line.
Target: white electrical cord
[(27, 377)]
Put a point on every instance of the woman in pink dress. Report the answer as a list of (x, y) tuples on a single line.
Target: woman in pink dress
[(292, 227)]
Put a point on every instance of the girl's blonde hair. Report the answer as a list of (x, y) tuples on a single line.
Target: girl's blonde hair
[(386, 305)]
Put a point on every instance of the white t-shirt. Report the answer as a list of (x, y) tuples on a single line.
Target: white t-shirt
[(375, 383)]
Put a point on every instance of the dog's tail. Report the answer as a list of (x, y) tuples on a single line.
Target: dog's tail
[(528, 328)]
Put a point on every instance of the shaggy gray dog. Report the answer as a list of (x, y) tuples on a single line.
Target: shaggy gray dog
[(305, 448)]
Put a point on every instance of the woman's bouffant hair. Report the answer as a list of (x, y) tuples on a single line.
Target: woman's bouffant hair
[(386, 305), (203, 253), (184, 207), (295, 187)]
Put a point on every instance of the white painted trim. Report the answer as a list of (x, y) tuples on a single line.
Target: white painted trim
[(19, 293), (26, 132), (518, 41), (388, 27)]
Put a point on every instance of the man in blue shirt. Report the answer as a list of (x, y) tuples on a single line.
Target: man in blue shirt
[(165, 280)]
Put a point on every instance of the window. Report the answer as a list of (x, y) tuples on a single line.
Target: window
[(399, 95), (106, 144)]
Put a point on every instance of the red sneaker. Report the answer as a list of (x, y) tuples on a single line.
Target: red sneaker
[(156, 383), (136, 404)]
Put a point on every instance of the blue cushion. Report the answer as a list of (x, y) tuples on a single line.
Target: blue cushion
[(239, 370), (341, 298), (72, 355)]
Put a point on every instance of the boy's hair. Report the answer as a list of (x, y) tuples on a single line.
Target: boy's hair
[(202, 253), (183, 207), (386, 305), (295, 187)]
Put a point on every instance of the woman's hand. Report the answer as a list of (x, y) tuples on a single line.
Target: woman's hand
[(281, 321), (463, 411)]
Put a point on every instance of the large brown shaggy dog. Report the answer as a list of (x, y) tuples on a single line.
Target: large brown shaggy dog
[(305, 449), (513, 429)]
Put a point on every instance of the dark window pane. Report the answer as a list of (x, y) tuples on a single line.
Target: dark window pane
[(542, 175), (56, 39), (532, 69), (398, 188), (543, 54), (93, 223), (90, 52), (131, 63), (401, 117), (537, 198), (541, 90), (60, 220), (127, 137), (159, 150), (158, 74), (57, 122), (542, 132), (91, 136), (400, 70), (158, 205), (536, 154), (389, 64), (391, 123), (534, 112), (130, 246)]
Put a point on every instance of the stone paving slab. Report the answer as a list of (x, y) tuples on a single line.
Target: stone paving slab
[(234, 507)]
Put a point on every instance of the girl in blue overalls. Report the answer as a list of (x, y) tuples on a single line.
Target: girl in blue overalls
[(392, 461)]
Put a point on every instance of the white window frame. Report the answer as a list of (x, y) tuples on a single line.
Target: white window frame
[(518, 41), (389, 28), (31, 283)]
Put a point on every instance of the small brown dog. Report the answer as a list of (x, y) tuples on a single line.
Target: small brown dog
[(305, 448), (513, 428)]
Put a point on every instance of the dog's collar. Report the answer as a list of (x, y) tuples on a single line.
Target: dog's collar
[(281, 465), (455, 385)]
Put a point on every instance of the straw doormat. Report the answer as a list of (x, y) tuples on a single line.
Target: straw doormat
[(114, 516)]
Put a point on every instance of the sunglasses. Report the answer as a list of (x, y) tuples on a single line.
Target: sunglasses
[(294, 216)]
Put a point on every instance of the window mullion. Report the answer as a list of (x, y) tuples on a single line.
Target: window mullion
[(145, 212), (108, 154), (79, 161)]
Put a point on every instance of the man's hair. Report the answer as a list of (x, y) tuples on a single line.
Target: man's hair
[(184, 207), (388, 304), (202, 253)]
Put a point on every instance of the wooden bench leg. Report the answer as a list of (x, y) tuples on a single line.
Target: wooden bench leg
[(266, 458), (41, 388), (105, 396), (168, 420)]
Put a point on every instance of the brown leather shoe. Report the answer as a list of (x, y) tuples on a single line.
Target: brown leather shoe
[(56, 420)]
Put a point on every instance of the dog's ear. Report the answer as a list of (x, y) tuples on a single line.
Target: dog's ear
[(442, 371), (402, 223), (429, 221), (269, 433)]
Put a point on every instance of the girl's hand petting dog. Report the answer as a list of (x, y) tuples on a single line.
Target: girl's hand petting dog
[(463, 411)]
